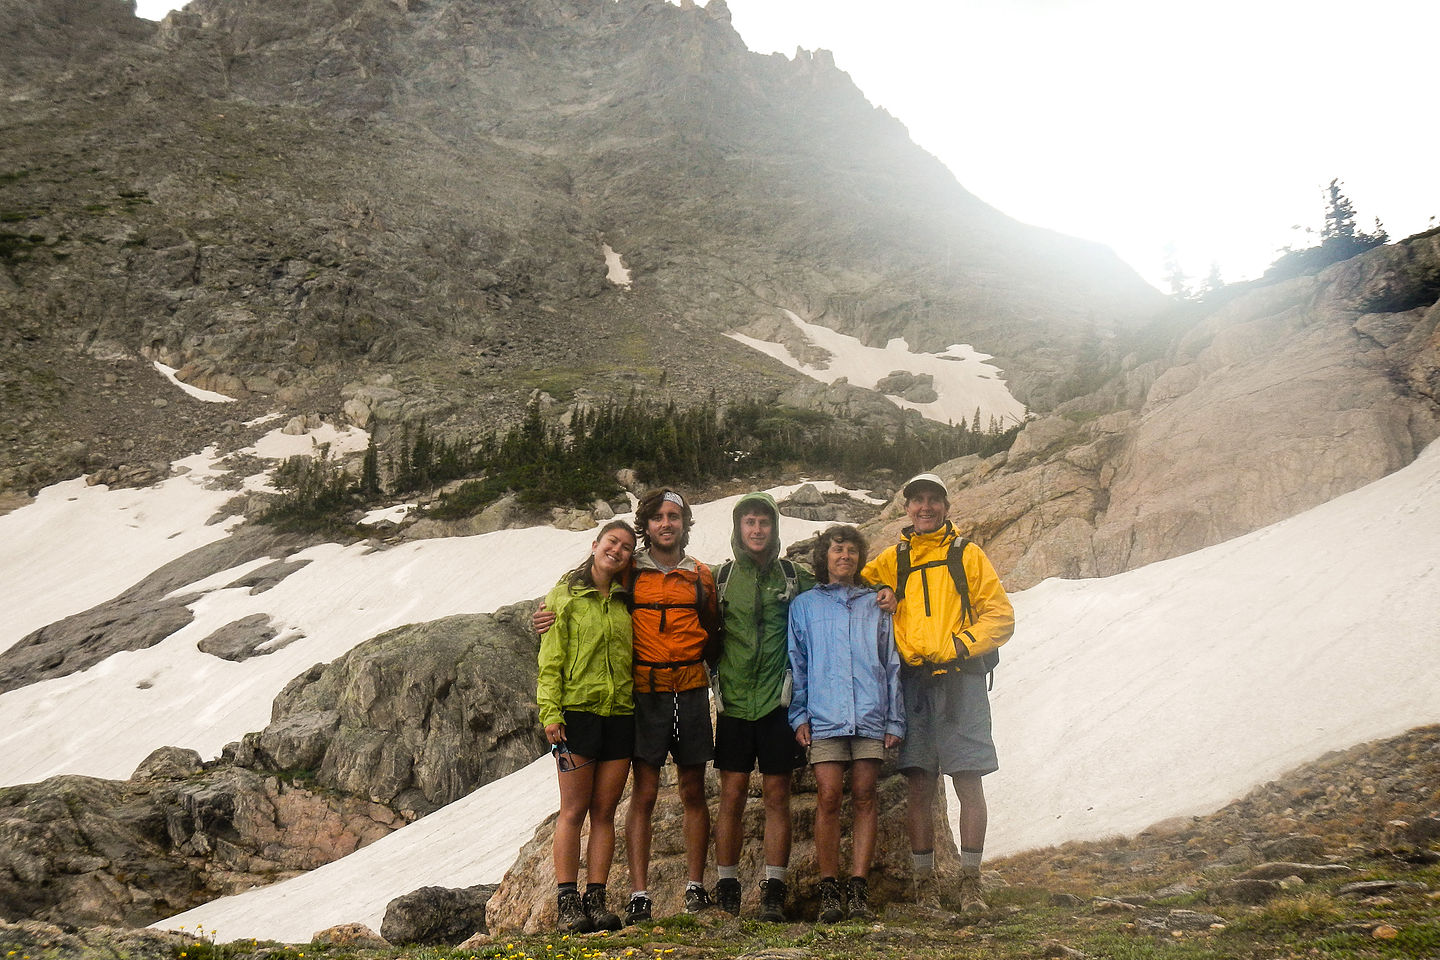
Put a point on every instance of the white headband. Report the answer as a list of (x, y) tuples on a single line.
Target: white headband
[(674, 498)]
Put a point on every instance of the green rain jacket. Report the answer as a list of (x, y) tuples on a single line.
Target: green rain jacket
[(586, 655), (756, 612)]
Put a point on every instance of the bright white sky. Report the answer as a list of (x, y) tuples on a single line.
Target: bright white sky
[(1138, 123)]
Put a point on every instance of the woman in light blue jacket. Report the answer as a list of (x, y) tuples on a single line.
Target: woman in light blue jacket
[(846, 707)]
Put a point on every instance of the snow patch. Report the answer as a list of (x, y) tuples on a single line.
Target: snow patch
[(963, 381), (615, 270), (278, 445), (387, 515), (1175, 688), (78, 545), (209, 396), (171, 693)]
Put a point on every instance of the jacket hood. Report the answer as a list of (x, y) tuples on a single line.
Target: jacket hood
[(641, 560), (747, 504)]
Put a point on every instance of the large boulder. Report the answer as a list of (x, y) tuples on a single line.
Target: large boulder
[(437, 916), (414, 718), (87, 851), (525, 900)]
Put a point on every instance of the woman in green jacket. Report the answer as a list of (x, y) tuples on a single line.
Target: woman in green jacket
[(587, 704)]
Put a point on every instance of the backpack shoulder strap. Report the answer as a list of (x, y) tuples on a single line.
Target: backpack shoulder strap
[(955, 560), (792, 579), (722, 578), (902, 568)]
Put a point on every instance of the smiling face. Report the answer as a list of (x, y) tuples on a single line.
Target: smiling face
[(756, 531), (665, 529), (842, 560), (927, 508), (610, 554)]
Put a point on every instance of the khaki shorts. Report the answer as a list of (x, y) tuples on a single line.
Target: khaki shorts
[(845, 749)]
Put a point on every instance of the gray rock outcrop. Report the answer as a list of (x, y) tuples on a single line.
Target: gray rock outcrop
[(414, 718), (404, 723), (1279, 400), (83, 850), (428, 205), (437, 916), (525, 900)]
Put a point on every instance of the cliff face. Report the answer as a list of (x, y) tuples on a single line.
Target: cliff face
[(1279, 400), (279, 199)]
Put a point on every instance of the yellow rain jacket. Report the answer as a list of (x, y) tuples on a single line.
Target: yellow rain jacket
[(929, 626)]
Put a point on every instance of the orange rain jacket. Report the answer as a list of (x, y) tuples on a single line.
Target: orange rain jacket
[(674, 615)]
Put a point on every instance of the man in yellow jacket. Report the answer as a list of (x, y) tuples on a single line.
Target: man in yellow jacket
[(944, 631)]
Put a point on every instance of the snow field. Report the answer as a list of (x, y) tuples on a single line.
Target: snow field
[(962, 379), (1167, 690)]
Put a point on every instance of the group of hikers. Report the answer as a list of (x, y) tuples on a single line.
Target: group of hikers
[(861, 657)]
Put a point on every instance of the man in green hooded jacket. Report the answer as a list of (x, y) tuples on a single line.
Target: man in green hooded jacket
[(752, 727)]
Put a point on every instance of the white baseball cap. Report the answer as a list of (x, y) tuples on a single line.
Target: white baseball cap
[(909, 489)]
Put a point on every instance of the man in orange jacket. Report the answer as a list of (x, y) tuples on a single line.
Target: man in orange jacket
[(675, 614)]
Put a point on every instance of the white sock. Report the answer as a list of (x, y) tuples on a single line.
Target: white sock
[(727, 873), (776, 873), (923, 864)]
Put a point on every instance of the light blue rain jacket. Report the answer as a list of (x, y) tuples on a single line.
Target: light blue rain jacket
[(846, 667)]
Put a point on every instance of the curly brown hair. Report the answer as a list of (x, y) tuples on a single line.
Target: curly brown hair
[(649, 506), (840, 533)]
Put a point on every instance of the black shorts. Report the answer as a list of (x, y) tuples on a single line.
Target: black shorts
[(740, 743), (594, 737), (674, 724)]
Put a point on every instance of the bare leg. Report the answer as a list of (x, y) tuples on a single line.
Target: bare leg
[(576, 787), (697, 819), (920, 797), (604, 798), (775, 788), (645, 786), (829, 790), (864, 774), (729, 825), (974, 815)]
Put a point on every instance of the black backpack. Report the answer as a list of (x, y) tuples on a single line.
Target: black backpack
[(954, 561)]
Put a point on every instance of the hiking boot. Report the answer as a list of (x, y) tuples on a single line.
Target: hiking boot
[(696, 899), (638, 910), (570, 913), (831, 910), (600, 915), (970, 899), (772, 900), (925, 892), (727, 894), (857, 899)]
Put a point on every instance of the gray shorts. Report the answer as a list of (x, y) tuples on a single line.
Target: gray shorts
[(674, 724), (947, 724)]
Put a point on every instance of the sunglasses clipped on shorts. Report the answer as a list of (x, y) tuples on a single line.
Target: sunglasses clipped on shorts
[(565, 760)]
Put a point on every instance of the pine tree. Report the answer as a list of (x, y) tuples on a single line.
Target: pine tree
[(370, 470)]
